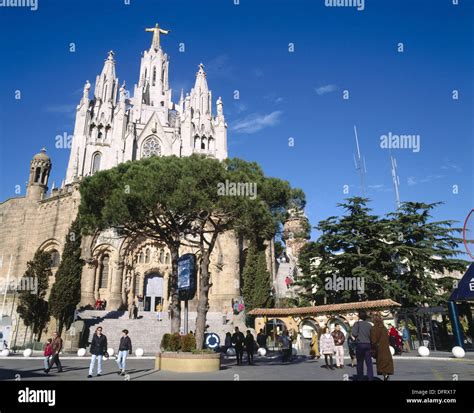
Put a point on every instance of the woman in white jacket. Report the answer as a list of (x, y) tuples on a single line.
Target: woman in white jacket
[(327, 347)]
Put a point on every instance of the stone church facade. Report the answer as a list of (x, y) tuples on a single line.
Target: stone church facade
[(111, 127)]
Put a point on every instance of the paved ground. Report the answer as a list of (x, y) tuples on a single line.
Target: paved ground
[(271, 368)]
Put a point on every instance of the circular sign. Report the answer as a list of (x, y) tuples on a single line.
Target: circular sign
[(212, 341), (468, 234)]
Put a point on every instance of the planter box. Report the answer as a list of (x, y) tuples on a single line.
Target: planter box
[(188, 362)]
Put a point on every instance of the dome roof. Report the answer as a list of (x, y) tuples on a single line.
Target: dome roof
[(41, 156)]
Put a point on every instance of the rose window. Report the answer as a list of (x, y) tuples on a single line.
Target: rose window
[(151, 148)]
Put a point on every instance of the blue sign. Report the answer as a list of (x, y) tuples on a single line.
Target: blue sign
[(212, 341), (465, 290), (187, 276)]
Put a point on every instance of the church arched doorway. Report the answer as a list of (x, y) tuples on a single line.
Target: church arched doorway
[(153, 291)]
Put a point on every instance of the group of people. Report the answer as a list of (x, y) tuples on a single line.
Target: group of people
[(241, 343), (365, 341), (399, 338), (98, 350)]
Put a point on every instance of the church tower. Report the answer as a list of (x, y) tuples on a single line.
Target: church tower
[(112, 127), (40, 168)]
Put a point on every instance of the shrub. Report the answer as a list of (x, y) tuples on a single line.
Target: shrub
[(176, 342), (165, 342), (188, 343)]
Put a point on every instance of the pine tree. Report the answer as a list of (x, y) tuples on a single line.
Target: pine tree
[(423, 248), (32, 306), (354, 246), (396, 256), (66, 291)]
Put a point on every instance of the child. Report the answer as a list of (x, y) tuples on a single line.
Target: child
[(48, 352)]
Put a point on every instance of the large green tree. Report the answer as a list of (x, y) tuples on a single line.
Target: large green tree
[(396, 256), (423, 248), (32, 305), (252, 214), (353, 246), (66, 290), (153, 198)]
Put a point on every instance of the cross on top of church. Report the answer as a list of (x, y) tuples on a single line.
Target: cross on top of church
[(156, 35)]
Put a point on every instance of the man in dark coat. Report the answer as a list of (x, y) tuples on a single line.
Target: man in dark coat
[(361, 334), (249, 342), (238, 342), (98, 349), (380, 342), (56, 345), (262, 339)]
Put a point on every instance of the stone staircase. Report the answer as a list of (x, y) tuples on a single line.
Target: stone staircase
[(285, 269), (145, 332)]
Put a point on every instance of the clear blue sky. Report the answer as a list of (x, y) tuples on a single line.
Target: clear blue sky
[(282, 94)]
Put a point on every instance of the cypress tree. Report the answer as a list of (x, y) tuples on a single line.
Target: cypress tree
[(66, 291), (32, 306)]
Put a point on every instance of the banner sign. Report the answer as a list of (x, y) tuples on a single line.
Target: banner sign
[(187, 276)]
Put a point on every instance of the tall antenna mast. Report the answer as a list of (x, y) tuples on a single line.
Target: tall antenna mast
[(360, 164), (396, 180)]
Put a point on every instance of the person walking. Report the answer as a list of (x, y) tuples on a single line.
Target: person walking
[(351, 345), (327, 347), (249, 343), (125, 348), (286, 346), (57, 346), (339, 339), (361, 335), (98, 349), (262, 339), (380, 343), (159, 310), (48, 352), (405, 338), (238, 342), (395, 339), (314, 350), (135, 312)]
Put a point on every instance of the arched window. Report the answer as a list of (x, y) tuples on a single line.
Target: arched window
[(203, 144), (162, 257), (96, 158), (55, 259), (154, 76), (141, 258), (151, 147), (147, 255), (167, 258), (196, 142), (104, 272), (44, 177), (37, 174)]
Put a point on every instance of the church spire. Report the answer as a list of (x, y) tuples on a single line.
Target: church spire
[(106, 83), (200, 95)]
